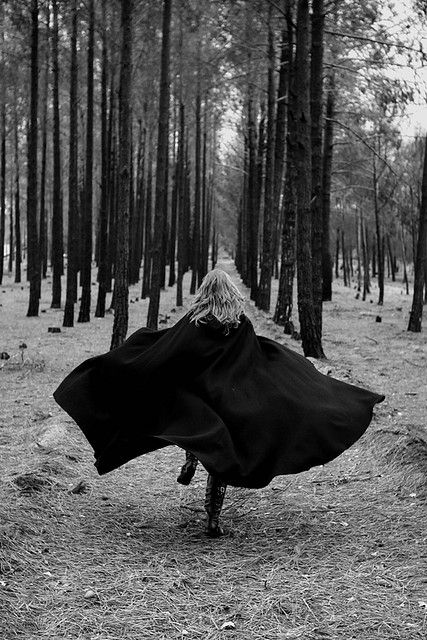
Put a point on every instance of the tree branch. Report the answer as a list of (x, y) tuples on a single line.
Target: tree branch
[(362, 139), (366, 39)]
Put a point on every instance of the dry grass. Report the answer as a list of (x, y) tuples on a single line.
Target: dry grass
[(334, 553), (331, 553)]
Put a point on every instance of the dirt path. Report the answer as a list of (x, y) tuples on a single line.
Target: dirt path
[(334, 553)]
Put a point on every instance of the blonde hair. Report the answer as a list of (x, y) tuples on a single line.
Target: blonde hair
[(217, 297)]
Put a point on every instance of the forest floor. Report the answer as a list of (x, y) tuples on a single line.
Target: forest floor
[(338, 552)]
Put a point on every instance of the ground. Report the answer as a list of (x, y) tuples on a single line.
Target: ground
[(338, 552)]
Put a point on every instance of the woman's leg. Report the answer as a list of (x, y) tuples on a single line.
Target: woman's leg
[(215, 492), (189, 468)]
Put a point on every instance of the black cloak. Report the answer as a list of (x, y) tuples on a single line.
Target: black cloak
[(247, 407)]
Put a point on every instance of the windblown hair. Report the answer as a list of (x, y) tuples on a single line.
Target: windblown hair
[(217, 297)]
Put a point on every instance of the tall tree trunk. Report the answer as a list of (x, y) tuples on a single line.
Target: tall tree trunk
[(280, 136), (105, 157), (18, 247), (311, 340), (358, 232), (86, 276), (165, 230), (138, 206), (365, 253), (34, 272), (187, 206), (259, 187), (374, 258), (284, 305), (380, 252), (57, 225), (43, 225), (316, 105), (204, 232), (392, 261), (121, 292), (132, 221), (344, 258), (253, 213), (210, 196), (416, 315), (174, 214), (404, 260), (264, 287), (326, 190), (111, 179), (73, 189), (2, 187), (242, 232), (181, 205), (162, 159), (197, 166), (148, 258), (11, 234), (2, 150)]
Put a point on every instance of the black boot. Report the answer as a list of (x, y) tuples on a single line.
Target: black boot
[(215, 492), (188, 470)]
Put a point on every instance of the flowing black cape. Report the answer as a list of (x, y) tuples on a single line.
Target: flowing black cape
[(247, 407)]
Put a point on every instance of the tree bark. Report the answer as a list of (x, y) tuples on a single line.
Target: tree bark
[(316, 105), (264, 287), (326, 190), (253, 213), (57, 225), (2, 187), (416, 315), (43, 224), (405, 279), (11, 234), (365, 253), (86, 265), (284, 304), (146, 278), (392, 261), (121, 279), (311, 340), (162, 159), (203, 258), (33, 261), (197, 190), (105, 156), (111, 179), (73, 189), (2, 152), (181, 206), (173, 231), (259, 183), (18, 247), (379, 239), (280, 135)]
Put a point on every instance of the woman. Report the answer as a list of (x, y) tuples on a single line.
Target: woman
[(247, 407)]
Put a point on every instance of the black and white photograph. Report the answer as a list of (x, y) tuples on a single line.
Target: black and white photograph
[(213, 357)]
